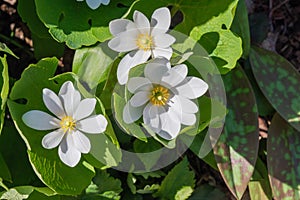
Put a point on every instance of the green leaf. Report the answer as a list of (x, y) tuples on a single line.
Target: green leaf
[(279, 82), (259, 185), (25, 192), (4, 84), (131, 129), (40, 35), (102, 185), (189, 8), (14, 152), (240, 26), (53, 47), (75, 23), (46, 163), (5, 49), (237, 148), (92, 64), (206, 191), (184, 193), (256, 191), (4, 172), (283, 159), (180, 176), (144, 149), (223, 46)]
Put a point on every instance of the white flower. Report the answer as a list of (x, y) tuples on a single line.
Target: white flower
[(142, 38), (94, 4), (73, 119), (164, 98)]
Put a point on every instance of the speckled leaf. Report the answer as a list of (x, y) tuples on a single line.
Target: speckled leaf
[(279, 82), (46, 163), (75, 23), (236, 151), (4, 85), (283, 149), (215, 35)]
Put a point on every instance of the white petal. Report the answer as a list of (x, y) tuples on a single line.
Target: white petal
[(138, 83), (192, 88), (163, 40), (93, 4), (151, 115), (131, 114), (71, 97), (170, 125), (188, 106), (162, 52), (52, 139), (125, 41), (188, 119), (40, 120), (160, 20), (155, 69), (81, 142), (94, 124), (129, 61), (105, 2), (53, 103), (140, 98), (118, 26), (85, 108), (141, 22), (175, 75), (68, 153)]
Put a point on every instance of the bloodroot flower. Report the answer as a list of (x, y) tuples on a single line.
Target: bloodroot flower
[(164, 98), (73, 118), (94, 4), (142, 39)]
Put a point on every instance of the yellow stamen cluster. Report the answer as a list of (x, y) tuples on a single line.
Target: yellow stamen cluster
[(144, 42), (67, 123), (159, 95)]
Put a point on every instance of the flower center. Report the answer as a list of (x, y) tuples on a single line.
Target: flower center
[(67, 123), (159, 95), (144, 42)]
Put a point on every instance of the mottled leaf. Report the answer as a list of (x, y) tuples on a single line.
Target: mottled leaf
[(177, 178), (236, 151), (279, 82), (283, 150)]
